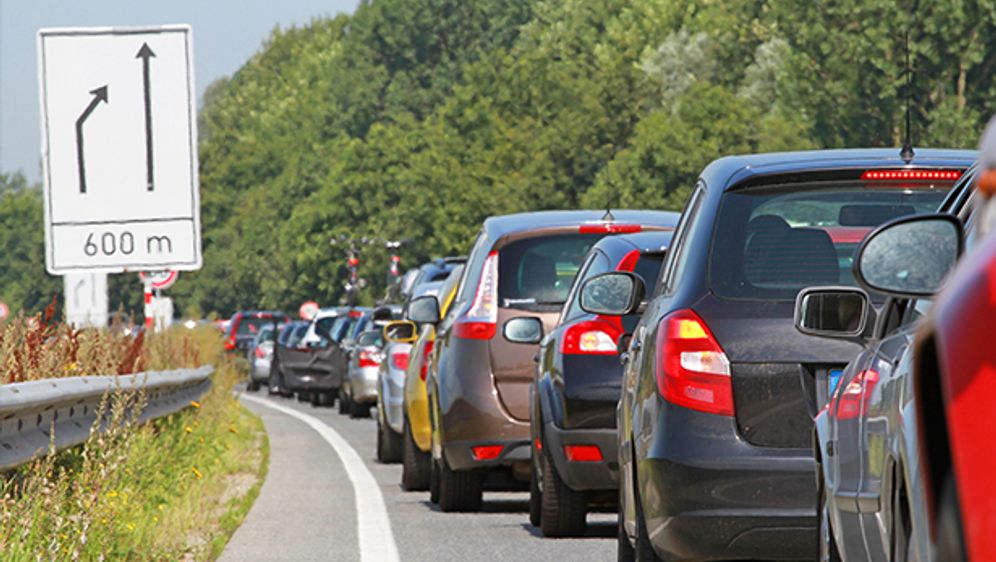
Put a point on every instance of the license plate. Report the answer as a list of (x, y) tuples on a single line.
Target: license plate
[(834, 380)]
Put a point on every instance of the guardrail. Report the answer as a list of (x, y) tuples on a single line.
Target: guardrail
[(31, 411)]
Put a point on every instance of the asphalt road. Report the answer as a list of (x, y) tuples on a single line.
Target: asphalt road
[(308, 510)]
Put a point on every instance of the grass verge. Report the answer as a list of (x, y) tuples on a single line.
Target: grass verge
[(172, 489)]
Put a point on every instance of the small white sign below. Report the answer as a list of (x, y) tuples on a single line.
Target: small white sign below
[(86, 299), (119, 149)]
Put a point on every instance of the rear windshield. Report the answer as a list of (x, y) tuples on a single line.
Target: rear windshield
[(324, 324), (371, 338), (772, 242), (540, 270), (250, 326)]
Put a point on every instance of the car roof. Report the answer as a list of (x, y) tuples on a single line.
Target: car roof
[(645, 242), (502, 225), (733, 170)]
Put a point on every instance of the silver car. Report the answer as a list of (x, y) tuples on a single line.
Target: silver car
[(360, 387), (259, 354), (391, 389)]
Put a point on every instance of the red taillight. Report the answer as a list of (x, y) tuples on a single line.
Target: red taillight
[(399, 360), (592, 337), (583, 453), (481, 321), (355, 314), (424, 371), (486, 452), (539, 444), (260, 353), (229, 344), (910, 175), (692, 369), (368, 359), (853, 402), (609, 228)]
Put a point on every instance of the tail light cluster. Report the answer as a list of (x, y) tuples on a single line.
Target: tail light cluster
[(481, 321), (424, 370), (583, 453), (260, 352), (368, 358), (592, 337), (399, 360), (486, 452), (692, 369), (852, 402)]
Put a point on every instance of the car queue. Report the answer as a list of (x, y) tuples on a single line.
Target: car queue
[(758, 377)]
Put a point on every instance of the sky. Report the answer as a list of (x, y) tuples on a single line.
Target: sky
[(226, 33)]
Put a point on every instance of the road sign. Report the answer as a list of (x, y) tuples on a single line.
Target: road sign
[(119, 142), (86, 299), (160, 280), (308, 310)]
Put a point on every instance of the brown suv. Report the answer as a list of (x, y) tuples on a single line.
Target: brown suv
[(516, 281)]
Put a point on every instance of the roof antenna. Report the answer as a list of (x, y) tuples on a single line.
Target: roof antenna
[(906, 153), (608, 216)]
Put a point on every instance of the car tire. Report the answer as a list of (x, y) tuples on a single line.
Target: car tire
[(950, 537), (827, 545), (388, 444), (433, 481), (253, 385), (563, 510), (358, 410), (316, 399), (535, 495), (414, 465), (343, 403), (303, 396), (459, 490)]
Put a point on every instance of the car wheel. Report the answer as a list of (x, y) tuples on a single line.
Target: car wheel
[(950, 541), (388, 444), (433, 481), (253, 385), (316, 399), (358, 410), (415, 465), (827, 546), (563, 510), (535, 495), (901, 533), (459, 490), (343, 403), (303, 396)]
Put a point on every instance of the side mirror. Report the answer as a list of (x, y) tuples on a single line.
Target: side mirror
[(836, 312), (910, 256), (424, 310), (616, 293), (400, 331), (525, 329)]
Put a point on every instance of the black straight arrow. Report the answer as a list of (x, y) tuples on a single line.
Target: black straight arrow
[(99, 95), (145, 53)]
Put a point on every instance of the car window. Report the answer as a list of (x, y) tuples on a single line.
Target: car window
[(265, 333), (296, 334), (596, 264), (250, 326), (770, 242), (370, 338), (472, 271), (323, 324), (678, 257), (540, 270)]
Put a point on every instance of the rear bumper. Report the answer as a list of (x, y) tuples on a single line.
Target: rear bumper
[(708, 495), (589, 475), (459, 454), (363, 385), (391, 398), (311, 382), (466, 426), (260, 370)]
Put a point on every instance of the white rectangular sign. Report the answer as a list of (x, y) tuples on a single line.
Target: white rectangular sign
[(119, 149), (86, 299)]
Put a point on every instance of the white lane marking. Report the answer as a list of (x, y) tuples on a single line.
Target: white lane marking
[(374, 526)]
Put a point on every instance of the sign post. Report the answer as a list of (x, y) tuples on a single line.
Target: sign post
[(86, 299), (119, 141)]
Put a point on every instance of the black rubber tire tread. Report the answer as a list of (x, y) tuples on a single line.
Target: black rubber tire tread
[(414, 464), (564, 509), (388, 445), (343, 404), (253, 385), (459, 490), (433, 481), (357, 410), (303, 396), (535, 495)]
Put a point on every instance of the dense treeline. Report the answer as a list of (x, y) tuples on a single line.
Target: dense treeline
[(418, 118)]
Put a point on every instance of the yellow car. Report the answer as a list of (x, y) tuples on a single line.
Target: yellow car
[(417, 431)]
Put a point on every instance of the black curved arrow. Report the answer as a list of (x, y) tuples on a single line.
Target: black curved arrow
[(99, 95), (145, 53)]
